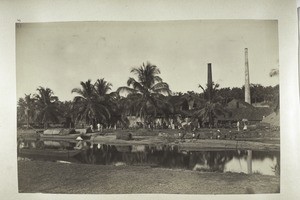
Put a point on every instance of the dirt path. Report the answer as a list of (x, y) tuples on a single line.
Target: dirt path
[(51, 177)]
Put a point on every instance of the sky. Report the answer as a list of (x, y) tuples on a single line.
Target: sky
[(59, 55)]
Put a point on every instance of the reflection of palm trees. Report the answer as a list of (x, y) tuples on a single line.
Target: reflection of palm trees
[(166, 156), (261, 155), (215, 160)]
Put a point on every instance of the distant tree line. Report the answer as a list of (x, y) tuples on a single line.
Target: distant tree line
[(146, 96)]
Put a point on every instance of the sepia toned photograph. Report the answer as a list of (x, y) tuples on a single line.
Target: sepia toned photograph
[(148, 107)]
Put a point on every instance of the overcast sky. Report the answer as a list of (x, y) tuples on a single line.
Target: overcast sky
[(60, 55)]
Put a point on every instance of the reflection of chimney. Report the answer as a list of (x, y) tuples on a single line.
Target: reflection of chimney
[(209, 81), (249, 161), (247, 79)]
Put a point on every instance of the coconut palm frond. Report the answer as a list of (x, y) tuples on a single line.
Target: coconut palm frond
[(54, 98), (136, 85), (46, 106), (160, 85), (93, 103), (126, 89), (78, 91), (200, 86), (145, 96), (102, 87), (164, 91), (157, 79), (78, 99)]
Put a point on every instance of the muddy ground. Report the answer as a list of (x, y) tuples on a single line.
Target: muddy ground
[(53, 177)]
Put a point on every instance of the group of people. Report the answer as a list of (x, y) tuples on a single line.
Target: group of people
[(174, 124), (244, 126), (99, 127)]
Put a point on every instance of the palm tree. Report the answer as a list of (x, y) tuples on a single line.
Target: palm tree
[(26, 109), (47, 106), (212, 108), (111, 100), (102, 87), (145, 95), (119, 110), (214, 91), (66, 111), (87, 104), (209, 112)]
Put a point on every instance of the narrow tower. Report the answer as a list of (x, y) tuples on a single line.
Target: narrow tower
[(247, 79), (209, 81), (209, 88)]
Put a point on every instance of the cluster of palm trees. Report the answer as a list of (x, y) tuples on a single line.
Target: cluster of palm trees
[(95, 103), (41, 107), (146, 96)]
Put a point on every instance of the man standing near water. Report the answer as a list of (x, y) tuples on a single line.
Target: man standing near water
[(98, 126), (245, 126)]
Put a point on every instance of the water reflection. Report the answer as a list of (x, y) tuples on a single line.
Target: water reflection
[(167, 156)]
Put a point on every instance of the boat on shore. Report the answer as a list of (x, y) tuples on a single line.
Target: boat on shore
[(48, 152), (67, 134), (60, 137)]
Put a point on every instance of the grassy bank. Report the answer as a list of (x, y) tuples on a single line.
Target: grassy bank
[(51, 177)]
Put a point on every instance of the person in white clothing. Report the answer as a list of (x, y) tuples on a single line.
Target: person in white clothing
[(98, 126)]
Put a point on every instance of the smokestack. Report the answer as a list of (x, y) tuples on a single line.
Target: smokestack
[(209, 81), (247, 78)]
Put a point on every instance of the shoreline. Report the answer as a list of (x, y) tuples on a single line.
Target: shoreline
[(73, 178), (253, 141)]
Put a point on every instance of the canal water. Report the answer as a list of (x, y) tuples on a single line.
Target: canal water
[(165, 156)]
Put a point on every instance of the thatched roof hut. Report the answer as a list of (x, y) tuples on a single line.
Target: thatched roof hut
[(273, 119)]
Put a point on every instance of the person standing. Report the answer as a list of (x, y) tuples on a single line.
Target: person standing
[(245, 126), (238, 125)]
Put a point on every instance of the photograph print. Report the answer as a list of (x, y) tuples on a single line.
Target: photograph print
[(141, 107)]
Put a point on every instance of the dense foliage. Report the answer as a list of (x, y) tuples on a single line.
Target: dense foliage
[(146, 96)]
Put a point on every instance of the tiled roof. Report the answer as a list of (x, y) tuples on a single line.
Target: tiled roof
[(252, 114)]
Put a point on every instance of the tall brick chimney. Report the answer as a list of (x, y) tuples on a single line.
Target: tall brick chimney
[(209, 81), (247, 78)]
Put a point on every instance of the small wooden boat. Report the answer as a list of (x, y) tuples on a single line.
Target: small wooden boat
[(66, 134), (59, 133), (48, 152), (60, 137)]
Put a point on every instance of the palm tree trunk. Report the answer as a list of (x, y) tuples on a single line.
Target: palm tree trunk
[(45, 125), (210, 119), (27, 121)]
